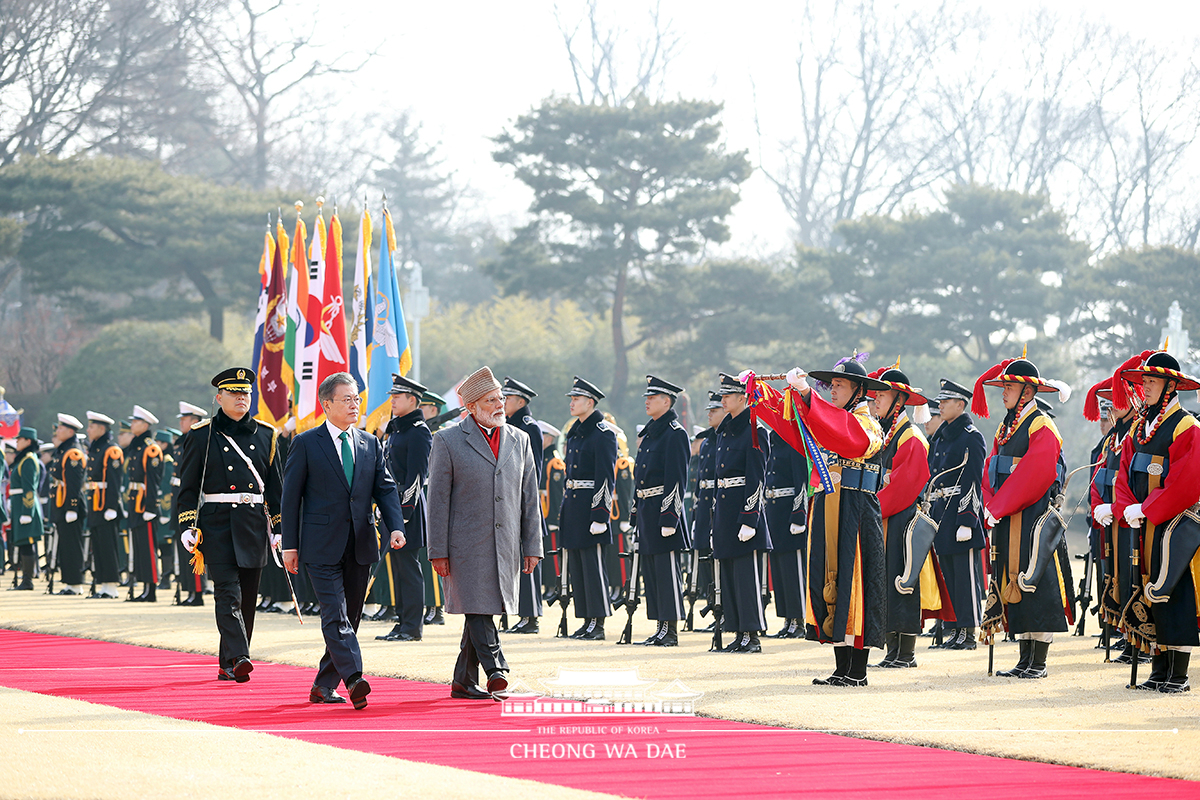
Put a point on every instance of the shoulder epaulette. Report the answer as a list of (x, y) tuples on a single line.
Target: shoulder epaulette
[(114, 452), (675, 424), (624, 462), (75, 454), (556, 463), (199, 425), (604, 425)]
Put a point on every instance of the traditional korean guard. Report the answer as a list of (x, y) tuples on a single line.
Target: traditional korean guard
[(517, 397), (68, 506), (1157, 489), (585, 517), (26, 526), (905, 468), (739, 527), (143, 467), (1022, 472), (660, 526), (106, 467), (406, 450), (787, 520), (846, 605), (229, 500), (957, 453)]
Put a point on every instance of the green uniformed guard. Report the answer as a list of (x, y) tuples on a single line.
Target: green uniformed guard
[(143, 467), (24, 479), (68, 473)]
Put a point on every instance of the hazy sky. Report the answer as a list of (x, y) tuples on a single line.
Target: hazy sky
[(466, 69)]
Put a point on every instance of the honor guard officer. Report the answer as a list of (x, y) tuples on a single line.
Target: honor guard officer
[(706, 492), (68, 506), (168, 565), (787, 519), (551, 486), (106, 468), (1158, 482), (739, 527), (517, 397), (192, 583), (24, 479), (585, 516), (1022, 471), (143, 467), (956, 505), (905, 470), (406, 447), (660, 527), (229, 492), (433, 407), (846, 601)]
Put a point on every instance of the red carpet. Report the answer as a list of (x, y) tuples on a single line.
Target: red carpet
[(419, 721)]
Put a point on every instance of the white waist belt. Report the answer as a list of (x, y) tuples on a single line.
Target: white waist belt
[(581, 484), (707, 485), (653, 491), (15, 492), (726, 483), (97, 485), (949, 491), (136, 485), (247, 498), (782, 491)]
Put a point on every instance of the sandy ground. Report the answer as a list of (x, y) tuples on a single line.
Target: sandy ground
[(1081, 715), (74, 749)]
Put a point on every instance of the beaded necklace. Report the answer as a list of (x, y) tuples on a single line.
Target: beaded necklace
[(1142, 432), (1006, 430)]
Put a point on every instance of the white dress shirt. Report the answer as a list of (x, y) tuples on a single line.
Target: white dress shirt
[(336, 433)]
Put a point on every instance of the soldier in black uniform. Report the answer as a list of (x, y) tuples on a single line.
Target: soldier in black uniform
[(957, 508), (787, 520), (166, 499), (229, 493), (189, 581), (739, 527), (433, 408), (143, 467), (585, 516), (406, 451), (68, 508), (705, 492), (553, 477), (660, 527), (517, 397), (106, 467)]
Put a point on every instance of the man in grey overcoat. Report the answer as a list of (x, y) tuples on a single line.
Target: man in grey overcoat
[(485, 527)]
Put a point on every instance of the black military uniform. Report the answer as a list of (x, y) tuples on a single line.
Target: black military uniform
[(68, 474), (529, 596), (787, 520), (554, 477), (406, 449), (704, 493), (188, 580), (585, 517), (739, 526), (433, 406), (956, 504), (166, 499), (229, 493), (660, 526), (616, 567), (106, 468), (143, 467)]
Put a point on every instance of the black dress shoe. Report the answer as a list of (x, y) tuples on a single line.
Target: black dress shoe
[(399, 636), (460, 692), (526, 625), (358, 691), (438, 617), (593, 631), (242, 669), (227, 674), (497, 682), (323, 694)]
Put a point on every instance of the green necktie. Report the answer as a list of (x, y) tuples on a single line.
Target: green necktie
[(347, 457)]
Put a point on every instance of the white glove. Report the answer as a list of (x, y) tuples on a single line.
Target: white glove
[(189, 538), (797, 379), (1103, 515), (1134, 515), (276, 541), (111, 514), (70, 516), (746, 533), (797, 529), (598, 527), (148, 515), (26, 520), (668, 531), (963, 534), (164, 520), (989, 519), (625, 527)]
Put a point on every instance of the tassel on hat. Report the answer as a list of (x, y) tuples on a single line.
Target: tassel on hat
[(1120, 388), (1091, 403), (979, 406)]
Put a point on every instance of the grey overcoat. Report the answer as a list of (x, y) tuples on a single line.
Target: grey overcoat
[(484, 515)]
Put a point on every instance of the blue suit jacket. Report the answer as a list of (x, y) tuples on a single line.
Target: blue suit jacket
[(321, 510)]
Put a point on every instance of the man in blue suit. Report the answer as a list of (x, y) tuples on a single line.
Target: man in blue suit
[(333, 473)]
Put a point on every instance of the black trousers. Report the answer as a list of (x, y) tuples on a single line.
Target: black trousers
[(961, 572), (235, 594), (664, 586), (70, 551), (529, 595), (106, 568), (145, 550), (480, 647), (741, 593), (167, 563), (340, 589), (787, 573), (589, 582), (407, 589)]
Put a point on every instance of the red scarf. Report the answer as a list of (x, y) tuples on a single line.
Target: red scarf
[(492, 435)]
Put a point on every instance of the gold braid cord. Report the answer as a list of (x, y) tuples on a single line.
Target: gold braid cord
[(197, 559)]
